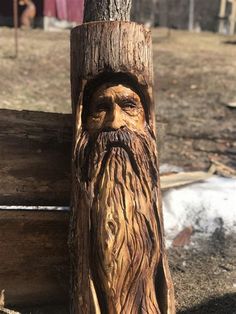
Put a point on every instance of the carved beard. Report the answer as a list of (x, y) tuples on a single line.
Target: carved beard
[(117, 171)]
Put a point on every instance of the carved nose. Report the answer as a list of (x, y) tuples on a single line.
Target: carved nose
[(114, 118)]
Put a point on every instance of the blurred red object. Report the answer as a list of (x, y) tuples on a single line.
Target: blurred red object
[(183, 238), (70, 10)]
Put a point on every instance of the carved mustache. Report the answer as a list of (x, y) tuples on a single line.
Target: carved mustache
[(96, 149), (122, 139), (119, 138)]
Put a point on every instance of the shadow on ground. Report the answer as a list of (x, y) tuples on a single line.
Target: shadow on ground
[(230, 42), (222, 305)]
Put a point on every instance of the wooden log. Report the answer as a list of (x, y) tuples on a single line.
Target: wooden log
[(116, 232), (35, 154), (34, 256)]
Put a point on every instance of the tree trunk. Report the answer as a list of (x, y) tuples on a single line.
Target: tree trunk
[(118, 256), (105, 10)]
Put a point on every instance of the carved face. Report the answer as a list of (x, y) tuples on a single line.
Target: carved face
[(114, 106), (117, 188)]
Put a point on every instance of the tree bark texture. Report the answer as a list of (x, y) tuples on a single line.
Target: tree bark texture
[(118, 256), (104, 10)]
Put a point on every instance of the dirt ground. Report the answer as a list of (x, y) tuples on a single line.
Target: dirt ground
[(195, 79), (204, 277)]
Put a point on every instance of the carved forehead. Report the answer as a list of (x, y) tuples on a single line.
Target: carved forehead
[(114, 90)]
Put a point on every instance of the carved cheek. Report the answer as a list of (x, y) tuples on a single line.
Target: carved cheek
[(96, 121), (135, 120)]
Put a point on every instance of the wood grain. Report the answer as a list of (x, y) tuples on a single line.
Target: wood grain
[(35, 158), (34, 257)]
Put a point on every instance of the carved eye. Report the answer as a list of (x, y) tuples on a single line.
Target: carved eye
[(128, 104), (100, 107)]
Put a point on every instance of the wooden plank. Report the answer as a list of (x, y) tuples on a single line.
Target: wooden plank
[(34, 256), (174, 180), (35, 157)]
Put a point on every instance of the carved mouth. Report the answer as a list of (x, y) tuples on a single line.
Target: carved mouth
[(118, 144)]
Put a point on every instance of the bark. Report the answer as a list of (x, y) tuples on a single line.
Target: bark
[(104, 10), (34, 257)]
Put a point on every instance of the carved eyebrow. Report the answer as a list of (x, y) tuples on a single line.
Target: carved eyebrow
[(132, 97), (101, 99)]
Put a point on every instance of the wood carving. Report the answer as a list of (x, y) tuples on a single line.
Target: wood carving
[(118, 256)]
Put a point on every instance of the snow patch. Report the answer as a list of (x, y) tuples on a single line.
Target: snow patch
[(205, 206)]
